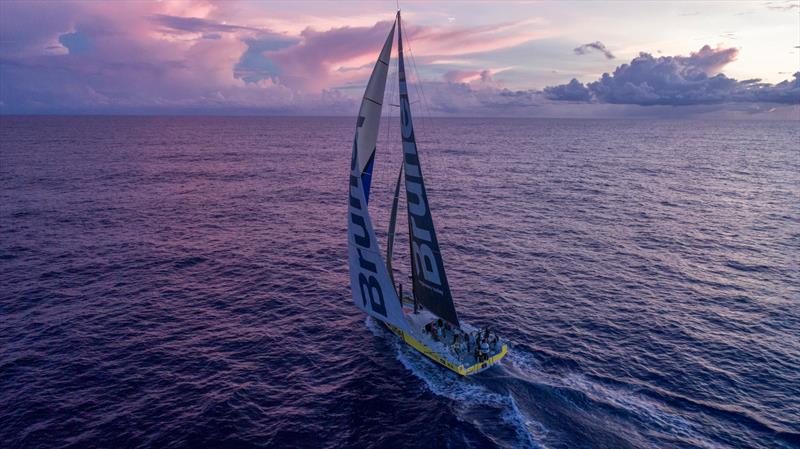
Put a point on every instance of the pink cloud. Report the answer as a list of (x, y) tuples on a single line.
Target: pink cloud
[(479, 78), (463, 76), (316, 62), (135, 54), (455, 41), (711, 60)]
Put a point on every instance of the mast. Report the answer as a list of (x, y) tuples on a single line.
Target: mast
[(392, 223), (429, 281)]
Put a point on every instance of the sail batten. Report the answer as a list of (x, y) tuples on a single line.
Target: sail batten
[(430, 285), (372, 287)]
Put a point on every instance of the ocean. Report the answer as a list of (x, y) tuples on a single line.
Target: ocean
[(181, 282)]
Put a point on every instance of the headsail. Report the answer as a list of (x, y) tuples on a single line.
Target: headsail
[(372, 288), (369, 114), (429, 280), (392, 223)]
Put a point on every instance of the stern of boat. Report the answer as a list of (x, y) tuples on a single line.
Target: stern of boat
[(439, 358)]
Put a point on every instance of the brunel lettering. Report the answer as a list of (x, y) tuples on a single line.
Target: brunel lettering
[(419, 216), (369, 287), (373, 288)]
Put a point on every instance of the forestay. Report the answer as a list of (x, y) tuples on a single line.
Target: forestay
[(429, 280), (372, 287)]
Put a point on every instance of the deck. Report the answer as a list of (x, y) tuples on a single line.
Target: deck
[(442, 351)]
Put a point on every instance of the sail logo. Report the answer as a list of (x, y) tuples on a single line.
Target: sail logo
[(369, 287), (419, 217)]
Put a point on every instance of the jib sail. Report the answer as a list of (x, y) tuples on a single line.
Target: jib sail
[(372, 287)]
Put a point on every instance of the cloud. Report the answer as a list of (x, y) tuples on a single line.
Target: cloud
[(786, 5), (484, 77), (572, 91), (709, 60), (122, 56), (196, 56), (477, 99), (597, 46), (321, 58), (76, 42), (452, 40), (254, 65), (340, 55), (676, 80), (196, 25)]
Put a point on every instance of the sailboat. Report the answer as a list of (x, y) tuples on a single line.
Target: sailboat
[(426, 319)]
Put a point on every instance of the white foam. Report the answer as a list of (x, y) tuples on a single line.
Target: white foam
[(471, 395), (527, 367), (529, 431), (442, 382), (649, 411), (373, 326)]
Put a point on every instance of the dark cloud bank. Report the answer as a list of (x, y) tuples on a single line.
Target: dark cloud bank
[(596, 46), (676, 81)]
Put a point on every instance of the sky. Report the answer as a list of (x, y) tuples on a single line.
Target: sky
[(473, 58)]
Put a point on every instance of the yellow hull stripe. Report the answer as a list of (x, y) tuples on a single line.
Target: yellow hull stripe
[(460, 369)]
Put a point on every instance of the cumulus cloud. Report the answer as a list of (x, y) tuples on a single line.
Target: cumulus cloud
[(317, 62), (117, 56), (572, 91), (676, 80), (255, 65), (478, 98), (594, 46), (709, 60), (196, 56)]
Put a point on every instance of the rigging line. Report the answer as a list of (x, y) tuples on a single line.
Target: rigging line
[(392, 86), (388, 118), (392, 143), (410, 71), (418, 84), (415, 82), (389, 144)]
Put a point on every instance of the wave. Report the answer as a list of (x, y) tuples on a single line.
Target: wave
[(606, 403)]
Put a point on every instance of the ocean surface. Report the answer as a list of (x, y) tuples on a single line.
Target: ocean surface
[(175, 282)]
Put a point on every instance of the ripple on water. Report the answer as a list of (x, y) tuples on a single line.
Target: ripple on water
[(182, 282)]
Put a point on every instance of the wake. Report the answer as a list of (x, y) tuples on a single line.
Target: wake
[(520, 404), (477, 401)]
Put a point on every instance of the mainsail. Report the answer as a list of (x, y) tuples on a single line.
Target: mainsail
[(372, 287), (429, 280)]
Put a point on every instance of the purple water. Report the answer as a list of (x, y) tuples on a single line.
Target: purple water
[(182, 282)]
